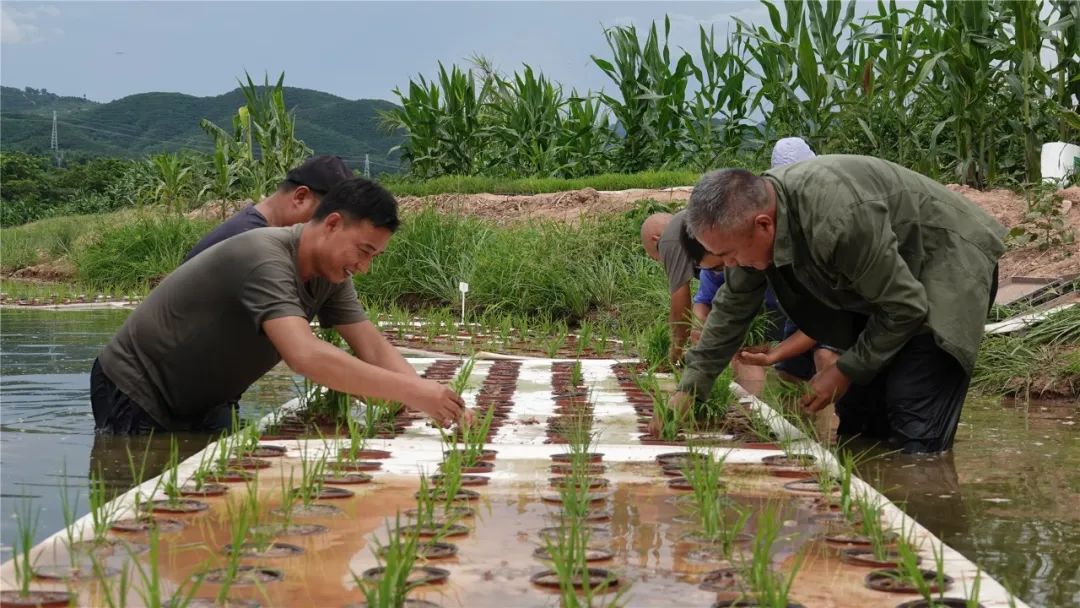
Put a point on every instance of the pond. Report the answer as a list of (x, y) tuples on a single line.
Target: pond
[(1006, 497)]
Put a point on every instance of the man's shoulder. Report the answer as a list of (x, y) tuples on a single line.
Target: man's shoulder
[(244, 220)]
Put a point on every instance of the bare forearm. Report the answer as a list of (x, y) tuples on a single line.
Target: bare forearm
[(797, 344), (335, 369)]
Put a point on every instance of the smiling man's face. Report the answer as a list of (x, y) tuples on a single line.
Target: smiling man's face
[(349, 247)]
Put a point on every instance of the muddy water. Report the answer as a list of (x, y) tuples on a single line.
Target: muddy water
[(647, 535), (1006, 497), (47, 437)]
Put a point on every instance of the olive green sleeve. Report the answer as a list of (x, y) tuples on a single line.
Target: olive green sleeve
[(866, 259), (736, 304)]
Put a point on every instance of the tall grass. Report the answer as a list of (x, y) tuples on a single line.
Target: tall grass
[(542, 269), (131, 255), (467, 184)]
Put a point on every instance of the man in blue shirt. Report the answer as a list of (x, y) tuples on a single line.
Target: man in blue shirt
[(292, 203)]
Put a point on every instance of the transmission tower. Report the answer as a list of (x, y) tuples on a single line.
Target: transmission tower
[(54, 141), (367, 167)]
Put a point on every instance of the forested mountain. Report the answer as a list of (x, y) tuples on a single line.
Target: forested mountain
[(137, 125)]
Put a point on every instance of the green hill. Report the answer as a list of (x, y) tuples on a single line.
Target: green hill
[(141, 124)]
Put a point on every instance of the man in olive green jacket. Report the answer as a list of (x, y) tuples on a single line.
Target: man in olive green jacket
[(864, 255)]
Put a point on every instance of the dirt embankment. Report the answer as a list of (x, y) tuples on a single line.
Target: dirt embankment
[(1006, 206)]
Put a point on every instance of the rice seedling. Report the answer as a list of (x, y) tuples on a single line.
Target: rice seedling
[(152, 587), (68, 510), (240, 518), (358, 436), (311, 478), (461, 379), (171, 484), (670, 418), (104, 510), (704, 472), (871, 511), (114, 592), (473, 436), (26, 525), (451, 481), (397, 556), (138, 473), (909, 570), (577, 378), (568, 550), (768, 587), (202, 475)]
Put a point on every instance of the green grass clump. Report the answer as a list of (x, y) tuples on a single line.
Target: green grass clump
[(132, 254), (468, 184)]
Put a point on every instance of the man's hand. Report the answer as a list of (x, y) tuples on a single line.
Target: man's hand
[(680, 402), (443, 405), (759, 356), (824, 388)]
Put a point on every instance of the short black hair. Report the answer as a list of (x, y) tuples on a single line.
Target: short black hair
[(360, 199), (691, 246)]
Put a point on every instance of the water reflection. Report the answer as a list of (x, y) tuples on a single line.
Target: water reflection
[(46, 426)]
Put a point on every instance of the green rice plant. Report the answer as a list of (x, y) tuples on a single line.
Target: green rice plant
[(152, 587), (474, 436), (704, 472), (568, 550), (289, 499), (584, 337), (205, 471), (871, 511), (240, 517), (68, 510), (138, 474), (26, 524), (397, 556), (576, 376), (553, 344), (104, 509), (171, 484), (971, 596), (769, 588), (114, 592), (358, 436), (461, 379), (451, 481), (672, 419), (719, 401), (311, 478), (910, 570)]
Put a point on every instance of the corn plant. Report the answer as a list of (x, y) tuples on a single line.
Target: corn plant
[(397, 557), (262, 144)]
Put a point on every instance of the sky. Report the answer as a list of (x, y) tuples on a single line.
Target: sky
[(358, 50)]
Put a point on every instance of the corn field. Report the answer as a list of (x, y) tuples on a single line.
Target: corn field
[(957, 89)]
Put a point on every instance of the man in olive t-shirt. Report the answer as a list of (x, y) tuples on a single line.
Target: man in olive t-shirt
[(222, 320)]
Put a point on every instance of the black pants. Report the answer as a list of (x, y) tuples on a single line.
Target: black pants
[(914, 402), (118, 414)]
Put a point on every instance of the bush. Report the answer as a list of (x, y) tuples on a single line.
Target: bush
[(138, 253)]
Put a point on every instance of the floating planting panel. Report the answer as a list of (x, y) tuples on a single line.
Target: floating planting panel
[(643, 531)]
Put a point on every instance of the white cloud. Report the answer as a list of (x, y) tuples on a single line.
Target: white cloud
[(21, 26)]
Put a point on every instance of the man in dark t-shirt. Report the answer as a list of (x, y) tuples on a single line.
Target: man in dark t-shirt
[(219, 322), (293, 202)]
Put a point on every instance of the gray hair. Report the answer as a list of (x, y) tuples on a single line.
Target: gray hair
[(725, 199)]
